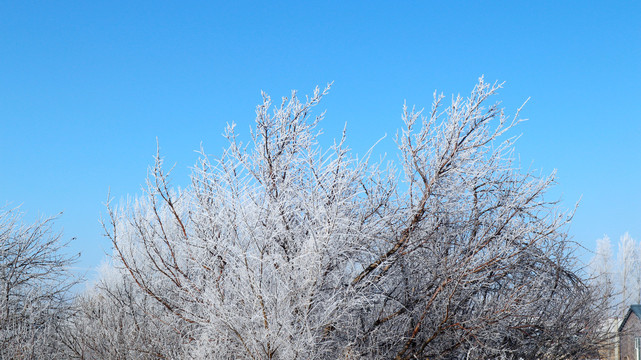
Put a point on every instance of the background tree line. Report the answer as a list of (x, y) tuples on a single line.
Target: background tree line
[(280, 249), (618, 274)]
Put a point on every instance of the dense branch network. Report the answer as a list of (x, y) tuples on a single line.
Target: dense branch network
[(282, 250)]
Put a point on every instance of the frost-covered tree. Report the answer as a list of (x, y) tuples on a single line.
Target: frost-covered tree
[(35, 279), (114, 320), (282, 250), (627, 263), (602, 270), (636, 273), (616, 282), (622, 279)]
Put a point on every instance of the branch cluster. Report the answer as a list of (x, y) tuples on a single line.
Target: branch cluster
[(282, 250)]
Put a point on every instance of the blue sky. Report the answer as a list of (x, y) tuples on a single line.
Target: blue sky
[(87, 87)]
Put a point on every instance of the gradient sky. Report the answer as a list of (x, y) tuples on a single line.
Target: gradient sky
[(87, 87)]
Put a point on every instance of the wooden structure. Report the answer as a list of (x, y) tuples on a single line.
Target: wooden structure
[(630, 334)]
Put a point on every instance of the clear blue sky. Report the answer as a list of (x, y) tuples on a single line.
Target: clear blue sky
[(87, 87)]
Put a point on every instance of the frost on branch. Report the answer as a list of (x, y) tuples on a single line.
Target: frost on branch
[(35, 283), (282, 250)]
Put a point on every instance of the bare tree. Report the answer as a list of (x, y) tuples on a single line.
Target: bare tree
[(35, 279), (280, 250)]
